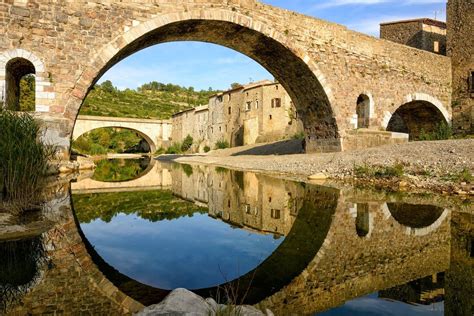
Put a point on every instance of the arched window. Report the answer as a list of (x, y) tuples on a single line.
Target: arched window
[(363, 111), (20, 85)]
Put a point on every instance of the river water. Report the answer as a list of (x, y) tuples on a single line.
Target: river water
[(121, 237)]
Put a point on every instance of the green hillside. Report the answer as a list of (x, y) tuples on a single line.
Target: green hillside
[(153, 100)]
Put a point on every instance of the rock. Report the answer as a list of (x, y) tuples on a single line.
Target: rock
[(212, 304), (403, 184), (179, 302), (182, 302), (318, 176)]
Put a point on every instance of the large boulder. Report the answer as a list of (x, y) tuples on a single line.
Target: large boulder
[(182, 302)]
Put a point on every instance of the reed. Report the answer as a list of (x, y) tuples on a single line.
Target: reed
[(23, 160)]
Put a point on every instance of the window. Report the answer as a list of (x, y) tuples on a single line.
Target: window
[(247, 209), (363, 111), (228, 203), (230, 97), (276, 87), (270, 117), (219, 98), (276, 103), (471, 82), (256, 104), (270, 199), (436, 46), (248, 106), (229, 110), (275, 214)]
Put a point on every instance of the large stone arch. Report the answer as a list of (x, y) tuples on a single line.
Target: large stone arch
[(286, 60), (419, 112)]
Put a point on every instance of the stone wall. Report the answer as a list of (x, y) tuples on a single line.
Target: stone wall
[(461, 51), (323, 66), (419, 33)]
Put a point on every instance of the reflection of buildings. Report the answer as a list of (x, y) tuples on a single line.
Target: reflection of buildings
[(255, 202), (254, 113), (424, 291)]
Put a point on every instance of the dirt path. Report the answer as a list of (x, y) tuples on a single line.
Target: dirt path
[(442, 166)]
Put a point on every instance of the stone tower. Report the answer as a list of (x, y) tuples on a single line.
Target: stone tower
[(460, 23)]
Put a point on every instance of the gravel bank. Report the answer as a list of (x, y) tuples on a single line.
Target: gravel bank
[(434, 165)]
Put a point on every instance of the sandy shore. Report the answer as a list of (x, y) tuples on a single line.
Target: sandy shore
[(441, 166)]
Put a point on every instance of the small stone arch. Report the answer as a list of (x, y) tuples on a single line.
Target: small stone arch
[(420, 113), (422, 226), (80, 132), (25, 62), (364, 111)]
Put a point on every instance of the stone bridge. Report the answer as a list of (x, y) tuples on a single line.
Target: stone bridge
[(156, 132), (155, 177), (327, 69)]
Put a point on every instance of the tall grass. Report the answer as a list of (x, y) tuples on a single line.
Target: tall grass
[(23, 160)]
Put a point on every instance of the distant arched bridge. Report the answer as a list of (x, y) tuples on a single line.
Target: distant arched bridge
[(155, 132)]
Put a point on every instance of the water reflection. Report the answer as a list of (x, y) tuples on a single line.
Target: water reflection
[(365, 252), (20, 262), (118, 170)]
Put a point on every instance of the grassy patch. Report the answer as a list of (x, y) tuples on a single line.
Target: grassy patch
[(395, 171)]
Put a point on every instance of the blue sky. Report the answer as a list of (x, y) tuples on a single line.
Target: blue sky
[(203, 65)]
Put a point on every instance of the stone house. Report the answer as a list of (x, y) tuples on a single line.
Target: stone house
[(268, 113), (426, 34), (254, 113)]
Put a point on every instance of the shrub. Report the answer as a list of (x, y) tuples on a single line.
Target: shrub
[(442, 131), (23, 159), (222, 144), (187, 143), (160, 151), (207, 149), (299, 136), (174, 149)]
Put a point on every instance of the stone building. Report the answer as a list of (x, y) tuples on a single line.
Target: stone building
[(258, 203), (461, 50), (268, 113), (426, 34), (254, 113)]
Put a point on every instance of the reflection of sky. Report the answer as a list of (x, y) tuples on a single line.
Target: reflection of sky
[(371, 305), (187, 252)]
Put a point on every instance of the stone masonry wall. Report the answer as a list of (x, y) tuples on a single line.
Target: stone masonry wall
[(461, 51), (415, 33), (323, 66)]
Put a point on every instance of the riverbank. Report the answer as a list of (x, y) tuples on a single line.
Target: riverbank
[(439, 166)]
